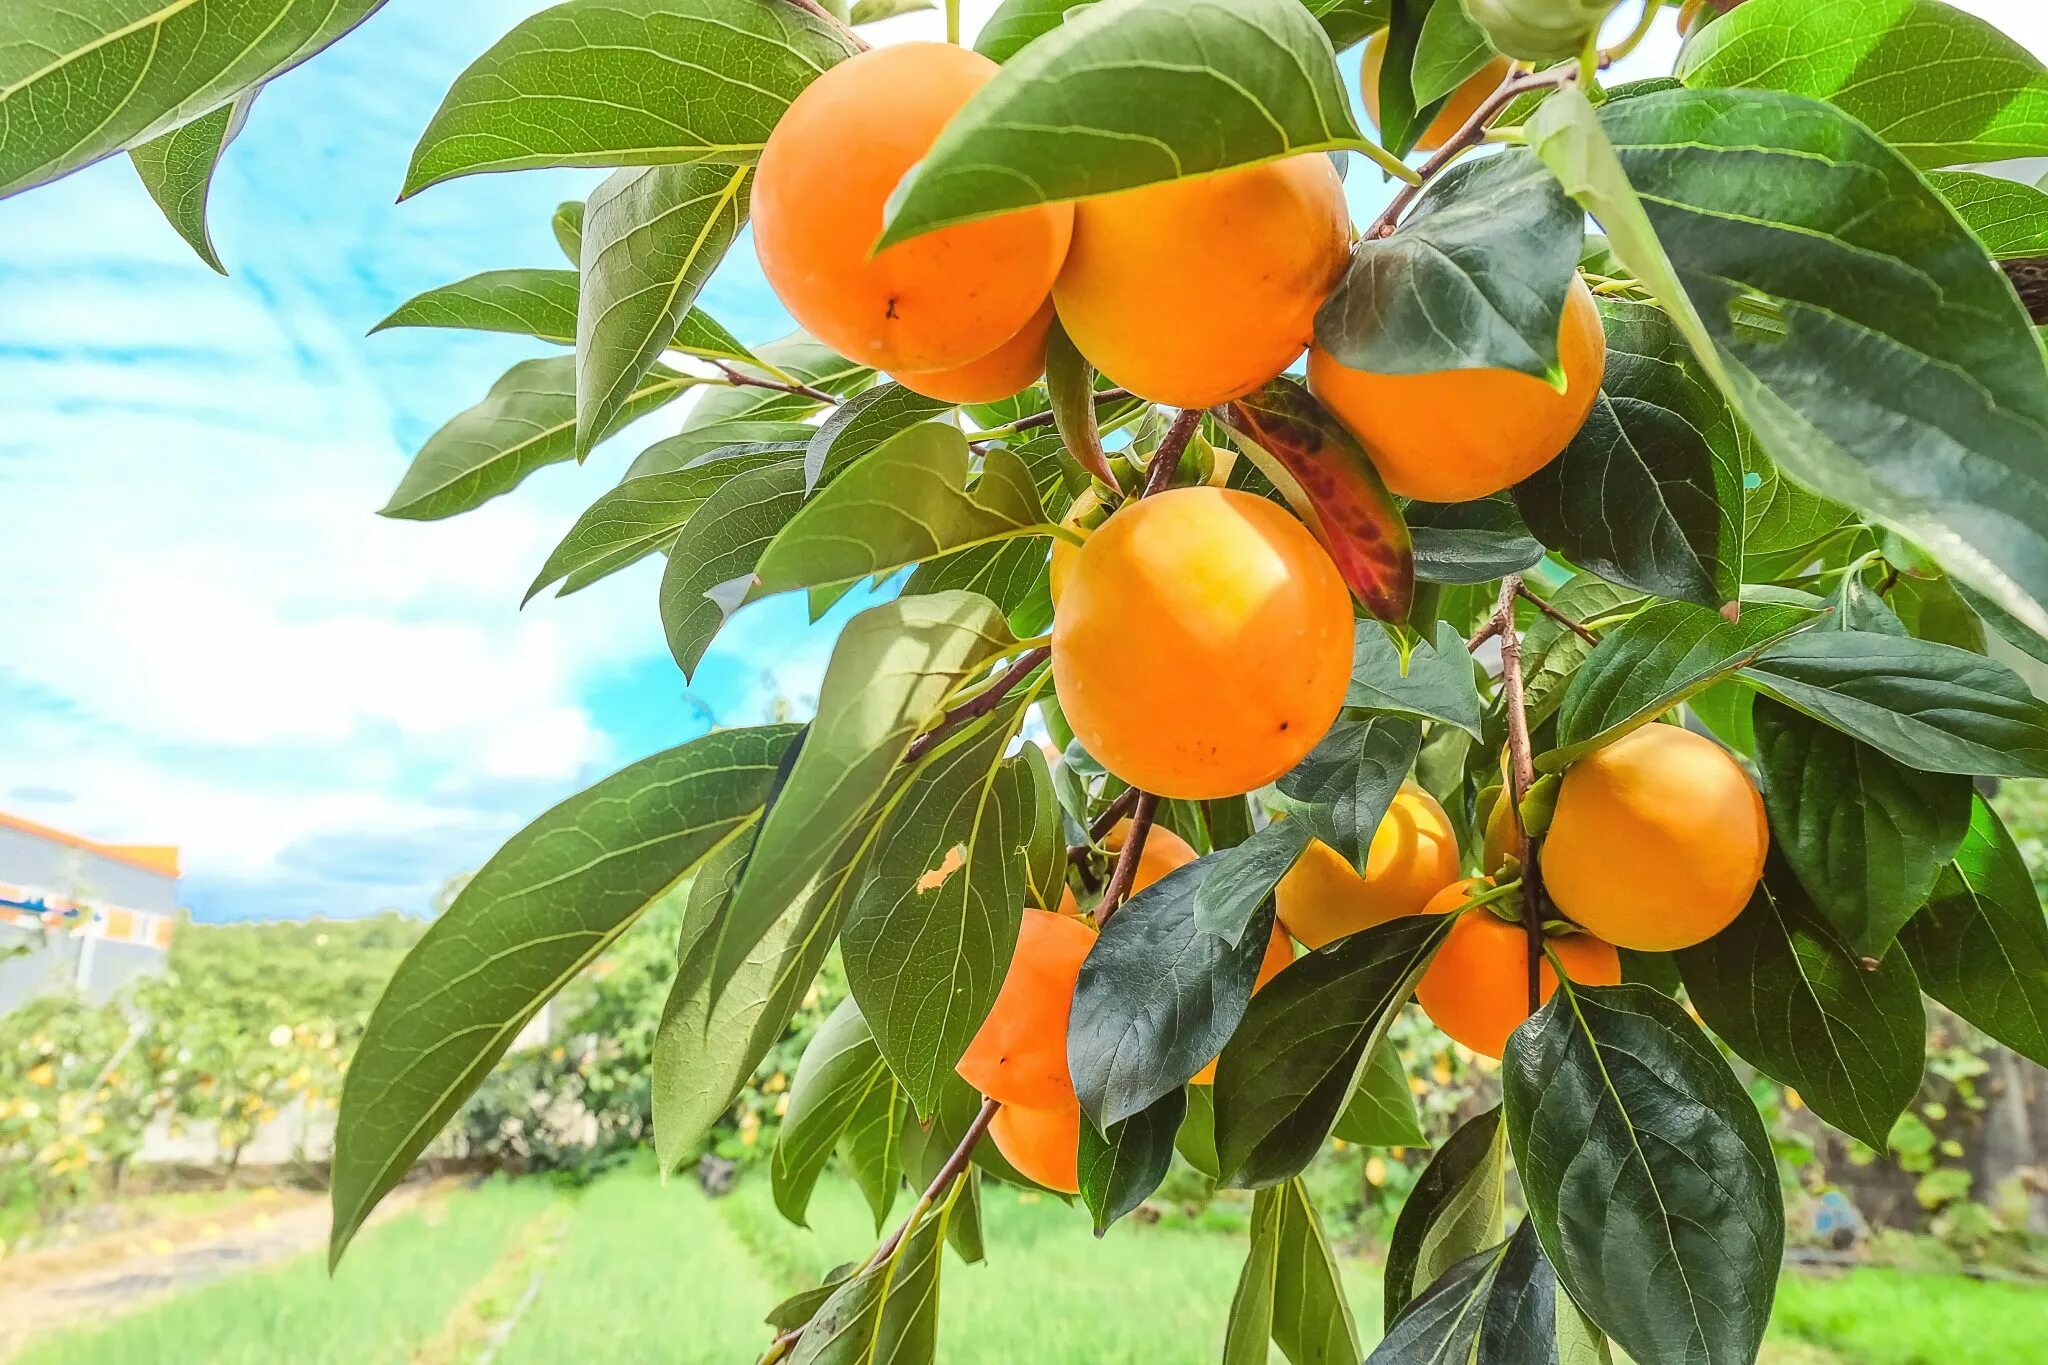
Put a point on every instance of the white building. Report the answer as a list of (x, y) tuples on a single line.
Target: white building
[(79, 914)]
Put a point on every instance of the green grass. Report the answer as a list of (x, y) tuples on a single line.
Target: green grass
[(396, 1287), (1890, 1317), (660, 1273)]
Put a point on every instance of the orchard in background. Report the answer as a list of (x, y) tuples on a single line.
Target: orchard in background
[(1597, 621)]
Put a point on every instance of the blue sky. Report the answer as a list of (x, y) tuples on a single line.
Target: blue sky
[(209, 637)]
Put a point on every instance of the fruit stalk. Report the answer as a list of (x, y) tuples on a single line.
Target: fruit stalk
[(1127, 857), (1577, 628), (741, 379), (980, 704), (1467, 137)]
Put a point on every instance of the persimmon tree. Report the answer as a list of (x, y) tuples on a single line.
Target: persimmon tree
[(1598, 645)]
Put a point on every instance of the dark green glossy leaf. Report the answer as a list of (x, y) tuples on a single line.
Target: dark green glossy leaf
[(82, 79), (1450, 50), (927, 1145), (1932, 707), (798, 1308), (1435, 682), (544, 907), (1157, 998), (1454, 1211), (1792, 998), (1127, 93), (527, 421), (1341, 791), (1290, 1291), (931, 932), (705, 444), (1244, 875), (1941, 85), (1649, 493), (1474, 278), (1470, 542), (1324, 473), (1552, 653), (535, 303), (1290, 1068), (1655, 660), (1647, 1173), (1981, 943), (685, 80), (651, 238), (1120, 1168), (1496, 1307), (1865, 835), (1382, 1110), (177, 169)]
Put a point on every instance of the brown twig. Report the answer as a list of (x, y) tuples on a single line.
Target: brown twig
[(1521, 777), (740, 378), (1166, 459), (1127, 857), (1468, 136), (1578, 628), (1045, 419), (980, 704), (1116, 810)]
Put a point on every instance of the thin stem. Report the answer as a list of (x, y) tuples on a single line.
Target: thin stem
[(1127, 858), (1101, 825), (1635, 35), (1385, 160), (1466, 137), (1577, 628), (1166, 459), (1521, 777), (953, 21), (980, 704), (1045, 419), (741, 379)]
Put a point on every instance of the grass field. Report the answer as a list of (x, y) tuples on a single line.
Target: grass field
[(634, 1271)]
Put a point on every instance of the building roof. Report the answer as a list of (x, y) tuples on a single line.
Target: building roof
[(161, 859)]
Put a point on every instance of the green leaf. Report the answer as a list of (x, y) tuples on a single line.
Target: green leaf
[(1290, 1291), (872, 1147), (1157, 998), (888, 1314), (1290, 1068), (906, 501), (1244, 875), (1647, 1173), (930, 935), (1932, 707), (544, 907), (1342, 790), (1981, 943), (1552, 654), (1434, 682), (1865, 835), (1649, 492), (1470, 542), (874, 11), (892, 673), (863, 423), (1450, 50), (1792, 999), (82, 79), (535, 303), (1819, 279), (1326, 476), (1454, 1211), (705, 444), (926, 1147), (1783, 524), (1940, 85), (1496, 1307), (2009, 218), (710, 571), (1127, 93), (1382, 1110), (800, 1307), (1119, 1169), (177, 169), (527, 421), (1070, 389), (1474, 278), (651, 238), (1349, 22), (1196, 1140), (568, 228), (639, 517), (1016, 24), (840, 1069), (684, 81), (795, 356), (1655, 660)]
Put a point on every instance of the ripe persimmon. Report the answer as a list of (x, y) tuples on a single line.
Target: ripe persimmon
[(1086, 510), (1043, 1144), (1476, 988), (1008, 369), (934, 302), (1279, 952), (1460, 106), (1163, 852), (1454, 435), (1193, 292), (1019, 1055), (1413, 855), (1202, 643), (1658, 840)]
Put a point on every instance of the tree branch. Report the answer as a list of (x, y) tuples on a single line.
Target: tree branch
[(980, 704), (1577, 628), (1466, 137), (1521, 777), (741, 379), (1045, 419), (1166, 459), (1127, 857)]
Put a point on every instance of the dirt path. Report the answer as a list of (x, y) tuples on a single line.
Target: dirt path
[(112, 1276)]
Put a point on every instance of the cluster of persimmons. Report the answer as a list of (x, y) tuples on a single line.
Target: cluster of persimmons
[(1202, 638)]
